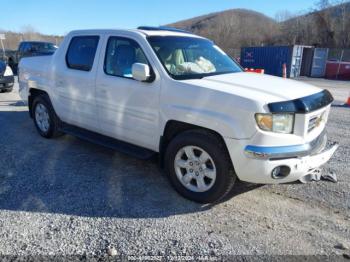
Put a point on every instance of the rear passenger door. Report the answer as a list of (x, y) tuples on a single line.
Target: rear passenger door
[(75, 82), (127, 109)]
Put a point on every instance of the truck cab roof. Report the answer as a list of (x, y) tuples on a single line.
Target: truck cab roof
[(142, 30)]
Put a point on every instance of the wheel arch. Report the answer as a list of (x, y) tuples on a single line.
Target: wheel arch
[(174, 127), (32, 94)]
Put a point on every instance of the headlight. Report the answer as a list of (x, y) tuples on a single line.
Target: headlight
[(279, 123), (8, 71)]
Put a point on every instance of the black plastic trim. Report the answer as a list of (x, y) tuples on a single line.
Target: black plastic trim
[(109, 142), (303, 105)]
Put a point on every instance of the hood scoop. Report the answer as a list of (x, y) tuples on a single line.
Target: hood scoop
[(303, 105)]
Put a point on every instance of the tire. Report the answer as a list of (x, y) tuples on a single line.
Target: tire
[(42, 104), (214, 189)]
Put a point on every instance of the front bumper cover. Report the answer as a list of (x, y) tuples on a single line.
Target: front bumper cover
[(284, 152), (6, 82), (255, 164)]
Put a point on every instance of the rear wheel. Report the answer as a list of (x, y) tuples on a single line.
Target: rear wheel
[(45, 119), (199, 167)]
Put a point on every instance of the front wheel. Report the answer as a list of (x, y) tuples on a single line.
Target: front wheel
[(199, 167)]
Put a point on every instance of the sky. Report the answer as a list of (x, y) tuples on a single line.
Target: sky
[(61, 16)]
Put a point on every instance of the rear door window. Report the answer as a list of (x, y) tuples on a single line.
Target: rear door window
[(81, 52)]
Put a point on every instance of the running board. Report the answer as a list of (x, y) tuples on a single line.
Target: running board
[(120, 146)]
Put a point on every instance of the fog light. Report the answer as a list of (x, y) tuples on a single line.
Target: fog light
[(280, 172)]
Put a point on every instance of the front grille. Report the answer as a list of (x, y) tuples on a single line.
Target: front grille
[(316, 121), (313, 123)]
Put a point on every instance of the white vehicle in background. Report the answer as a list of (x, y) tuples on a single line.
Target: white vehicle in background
[(160, 90)]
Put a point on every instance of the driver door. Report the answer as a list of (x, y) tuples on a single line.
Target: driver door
[(127, 109)]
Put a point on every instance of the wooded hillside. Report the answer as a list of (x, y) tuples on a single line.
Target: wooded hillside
[(325, 26)]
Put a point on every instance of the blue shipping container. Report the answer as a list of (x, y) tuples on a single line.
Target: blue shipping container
[(269, 58)]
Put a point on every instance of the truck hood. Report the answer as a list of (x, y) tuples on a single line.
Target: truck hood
[(258, 87)]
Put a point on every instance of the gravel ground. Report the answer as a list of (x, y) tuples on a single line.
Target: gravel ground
[(68, 197)]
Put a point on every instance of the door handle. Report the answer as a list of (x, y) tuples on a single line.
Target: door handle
[(61, 83), (102, 93)]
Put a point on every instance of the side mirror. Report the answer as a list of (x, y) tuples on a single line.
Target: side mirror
[(141, 72)]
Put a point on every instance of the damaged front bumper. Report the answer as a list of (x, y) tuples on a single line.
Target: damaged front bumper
[(284, 152), (259, 164)]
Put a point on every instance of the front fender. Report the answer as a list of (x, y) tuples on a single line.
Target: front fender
[(226, 125)]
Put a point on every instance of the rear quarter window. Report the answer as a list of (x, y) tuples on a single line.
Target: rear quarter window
[(81, 52)]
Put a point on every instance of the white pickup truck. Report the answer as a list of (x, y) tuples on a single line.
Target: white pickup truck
[(166, 91)]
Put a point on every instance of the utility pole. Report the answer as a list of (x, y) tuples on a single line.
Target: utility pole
[(2, 37)]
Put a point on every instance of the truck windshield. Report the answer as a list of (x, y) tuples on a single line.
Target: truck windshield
[(43, 47), (192, 58)]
